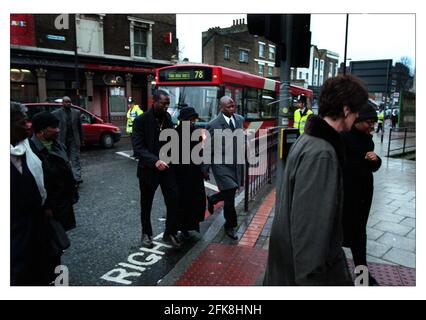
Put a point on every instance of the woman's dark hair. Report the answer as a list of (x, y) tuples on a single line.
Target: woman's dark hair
[(16, 109), (340, 91)]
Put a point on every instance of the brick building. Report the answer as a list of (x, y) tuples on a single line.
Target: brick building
[(235, 48), (117, 57)]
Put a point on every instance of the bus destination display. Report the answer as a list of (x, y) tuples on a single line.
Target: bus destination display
[(194, 74)]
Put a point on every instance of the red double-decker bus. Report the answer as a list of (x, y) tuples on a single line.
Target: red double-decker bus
[(201, 86)]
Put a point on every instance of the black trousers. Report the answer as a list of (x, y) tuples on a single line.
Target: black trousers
[(228, 196), (170, 194)]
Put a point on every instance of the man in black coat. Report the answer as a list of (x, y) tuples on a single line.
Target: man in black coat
[(360, 163), (29, 241), (59, 181), (71, 134), (152, 171)]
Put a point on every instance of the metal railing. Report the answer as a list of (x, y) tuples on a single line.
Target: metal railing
[(259, 174), (402, 140)]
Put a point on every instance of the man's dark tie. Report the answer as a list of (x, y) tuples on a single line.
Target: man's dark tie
[(231, 124)]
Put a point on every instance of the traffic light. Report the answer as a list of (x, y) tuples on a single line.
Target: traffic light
[(271, 27), (301, 41)]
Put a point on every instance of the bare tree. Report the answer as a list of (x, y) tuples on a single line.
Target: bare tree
[(406, 61)]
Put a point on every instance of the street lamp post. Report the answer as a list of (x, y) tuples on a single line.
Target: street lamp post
[(77, 79), (346, 44)]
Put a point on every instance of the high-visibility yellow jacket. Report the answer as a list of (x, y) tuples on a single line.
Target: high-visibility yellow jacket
[(300, 119), (132, 113), (381, 117)]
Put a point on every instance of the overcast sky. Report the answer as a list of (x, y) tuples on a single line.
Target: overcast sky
[(370, 36)]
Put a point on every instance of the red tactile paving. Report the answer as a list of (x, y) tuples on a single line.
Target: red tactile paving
[(225, 265), (230, 265), (390, 275), (254, 230)]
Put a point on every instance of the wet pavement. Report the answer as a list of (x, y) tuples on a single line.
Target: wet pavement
[(106, 246)]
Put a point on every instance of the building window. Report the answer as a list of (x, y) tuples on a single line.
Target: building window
[(330, 69), (140, 38), (307, 76), (321, 80), (261, 50), (271, 52), (261, 69), (322, 65), (335, 70), (315, 63), (244, 56), (300, 75), (227, 53), (270, 71), (140, 44), (90, 33)]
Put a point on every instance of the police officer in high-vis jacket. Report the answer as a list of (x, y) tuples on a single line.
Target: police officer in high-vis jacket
[(301, 114), (133, 112)]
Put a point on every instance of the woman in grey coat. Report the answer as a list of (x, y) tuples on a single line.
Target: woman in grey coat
[(305, 247)]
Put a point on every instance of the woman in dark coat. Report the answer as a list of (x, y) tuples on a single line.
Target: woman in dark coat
[(30, 262), (360, 163), (189, 178)]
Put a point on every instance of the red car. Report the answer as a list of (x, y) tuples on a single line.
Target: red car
[(95, 130)]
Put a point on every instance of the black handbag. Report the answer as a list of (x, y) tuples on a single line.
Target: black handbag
[(59, 238)]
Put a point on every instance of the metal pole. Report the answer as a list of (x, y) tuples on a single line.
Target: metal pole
[(77, 80), (284, 106), (246, 178), (405, 139), (346, 44), (386, 97), (389, 142)]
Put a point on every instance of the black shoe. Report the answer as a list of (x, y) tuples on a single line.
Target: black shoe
[(230, 232), (210, 205), (147, 241), (172, 240), (186, 235)]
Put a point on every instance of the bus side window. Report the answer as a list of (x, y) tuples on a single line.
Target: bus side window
[(269, 107), (239, 101), (252, 104)]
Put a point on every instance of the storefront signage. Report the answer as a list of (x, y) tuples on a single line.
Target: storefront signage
[(54, 37)]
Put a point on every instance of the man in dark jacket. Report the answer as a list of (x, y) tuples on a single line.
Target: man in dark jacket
[(58, 177), (228, 176), (59, 180), (71, 134), (305, 246), (360, 163), (29, 240), (152, 171)]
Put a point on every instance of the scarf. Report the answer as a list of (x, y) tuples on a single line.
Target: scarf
[(33, 163)]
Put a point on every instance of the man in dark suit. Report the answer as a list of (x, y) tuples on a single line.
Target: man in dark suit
[(228, 176), (152, 171), (71, 134)]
